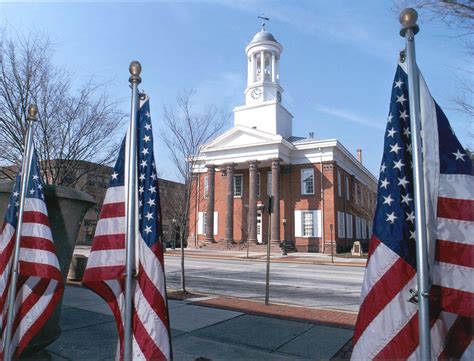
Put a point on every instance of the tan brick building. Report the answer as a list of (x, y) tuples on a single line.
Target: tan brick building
[(320, 190)]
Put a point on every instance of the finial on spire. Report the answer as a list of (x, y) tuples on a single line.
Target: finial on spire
[(263, 21)]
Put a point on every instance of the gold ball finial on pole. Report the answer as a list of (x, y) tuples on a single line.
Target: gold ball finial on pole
[(32, 112), (408, 18), (135, 69)]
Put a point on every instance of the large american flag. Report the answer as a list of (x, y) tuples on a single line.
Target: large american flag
[(387, 324), (39, 286), (106, 265)]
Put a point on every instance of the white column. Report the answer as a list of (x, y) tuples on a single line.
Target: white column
[(254, 68), (262, 66), (273, 68), (277, 71), (249, 70)]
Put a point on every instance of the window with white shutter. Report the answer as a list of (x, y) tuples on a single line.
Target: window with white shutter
[(349, 230), (201, 218), (298, 228), (341, 225)]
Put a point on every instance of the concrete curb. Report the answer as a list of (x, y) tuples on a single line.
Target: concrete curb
[(299, 260)]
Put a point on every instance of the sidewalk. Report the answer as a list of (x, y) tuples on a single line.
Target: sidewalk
[(207, 329), (296, 257)]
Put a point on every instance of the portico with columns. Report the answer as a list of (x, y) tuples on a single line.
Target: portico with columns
[(312, 181)]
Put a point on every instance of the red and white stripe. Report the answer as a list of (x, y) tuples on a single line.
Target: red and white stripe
[(40, 283), (105, 275)]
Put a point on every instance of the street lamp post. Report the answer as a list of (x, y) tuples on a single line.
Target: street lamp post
[(173, 234), (284, 237)]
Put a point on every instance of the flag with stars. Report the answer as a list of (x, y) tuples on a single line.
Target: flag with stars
[(106, 264), (40, 284), (387, 323)]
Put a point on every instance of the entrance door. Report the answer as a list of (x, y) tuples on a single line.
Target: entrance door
[(259, 226)]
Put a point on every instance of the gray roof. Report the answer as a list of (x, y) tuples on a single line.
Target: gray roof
[(263, 36)]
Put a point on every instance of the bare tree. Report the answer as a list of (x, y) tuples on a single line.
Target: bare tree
[(186, 132), (72, 126)]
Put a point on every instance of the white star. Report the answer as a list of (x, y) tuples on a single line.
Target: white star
[(391, 132), (406, 199), (143, 163), (145, 151), (384, 183), (140, 203), (146, 138), (459, 155), (403, 182), (391, 217), (114, 175), (389, 118), (149, 216), (147, 114), (410, 216), (398, 84), (40, 186), (409, 148), (406, 132), (153, 175), (32, 191), (147, 229), (140, 189), (148, 126), (17, 204), (395, 148), (388, 200), (152, 189), (151, 202), (412, 235), (404, 115), (398, 164), (35, 177), (401, 99), (15, 194), (142, 177), (383, 167)]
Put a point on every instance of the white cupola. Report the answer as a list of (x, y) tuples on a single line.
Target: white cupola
[(263, 55), (263, 94)]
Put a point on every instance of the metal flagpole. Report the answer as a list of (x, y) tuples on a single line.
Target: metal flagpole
[(25, 176), (409, 28), (130, 213)]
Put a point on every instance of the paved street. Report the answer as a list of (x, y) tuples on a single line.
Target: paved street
[(322, 286)]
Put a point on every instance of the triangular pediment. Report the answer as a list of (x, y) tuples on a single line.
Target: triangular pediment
[(240, 136)]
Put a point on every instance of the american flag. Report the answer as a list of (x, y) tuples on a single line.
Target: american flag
[(39, 286), (387, 324), (106, 264)]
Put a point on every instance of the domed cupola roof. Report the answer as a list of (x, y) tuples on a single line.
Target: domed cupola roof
[(263, 35)]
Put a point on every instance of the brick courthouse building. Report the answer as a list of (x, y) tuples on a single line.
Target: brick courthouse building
[(316, 184)]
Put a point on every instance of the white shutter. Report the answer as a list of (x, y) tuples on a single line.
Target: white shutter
[(200, 223), (317, 224), (216, 223), (298, 224)]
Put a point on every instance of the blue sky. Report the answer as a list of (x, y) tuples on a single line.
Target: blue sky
[(337, 65)]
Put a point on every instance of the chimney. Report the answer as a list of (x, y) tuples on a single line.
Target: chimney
[(311, 135), (359, 155)]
